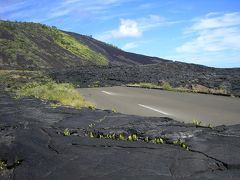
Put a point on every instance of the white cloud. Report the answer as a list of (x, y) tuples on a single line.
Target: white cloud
[(134, 27), (73, 8), (128, 28), (213, 33), (152, 21), (130, 45), (213, 21)]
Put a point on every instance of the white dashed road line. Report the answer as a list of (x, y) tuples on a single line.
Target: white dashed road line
[(153, 109), (109, 93)]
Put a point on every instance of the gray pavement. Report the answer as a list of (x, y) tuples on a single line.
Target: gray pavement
[(209, 109)]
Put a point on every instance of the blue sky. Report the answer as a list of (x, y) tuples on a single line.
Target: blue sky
[(205, 32)]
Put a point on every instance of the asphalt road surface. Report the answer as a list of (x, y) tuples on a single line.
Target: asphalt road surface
[(208, 109)]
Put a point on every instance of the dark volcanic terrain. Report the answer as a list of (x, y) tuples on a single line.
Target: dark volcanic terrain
[(33, 145), (177, 74)]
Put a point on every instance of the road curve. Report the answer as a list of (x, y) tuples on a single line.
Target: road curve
[(209, 109)]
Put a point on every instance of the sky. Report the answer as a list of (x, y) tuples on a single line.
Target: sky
[(204, 32)]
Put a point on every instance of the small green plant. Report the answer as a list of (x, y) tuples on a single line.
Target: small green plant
[(54, 106), (197, 122), (121, 137), (132, 137), (110, 136), (159, 141), (113, 136), (114, 110), (184, 146), (95, 84), (92, 107), (175, 142), (153, 141), (180, 143), (222, 89), (3, 165), (91, 135), (135, 138), (66, 132), (101, 136), (146, 139), (210, 126), (91, 125)]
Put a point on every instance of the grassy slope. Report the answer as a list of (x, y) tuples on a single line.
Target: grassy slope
[(36, 84), (69, 43), (37, 44)]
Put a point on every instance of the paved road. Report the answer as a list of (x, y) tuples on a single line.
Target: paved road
[(216, 110)]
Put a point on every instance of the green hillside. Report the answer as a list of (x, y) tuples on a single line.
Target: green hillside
[(33, 45)]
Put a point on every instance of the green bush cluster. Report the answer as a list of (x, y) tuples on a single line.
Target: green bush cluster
[(64, 93)]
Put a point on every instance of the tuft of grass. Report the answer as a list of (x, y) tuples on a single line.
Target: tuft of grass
[(166, 86), (64, 93)]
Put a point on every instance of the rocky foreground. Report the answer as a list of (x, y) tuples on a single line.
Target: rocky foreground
[(33, 145)]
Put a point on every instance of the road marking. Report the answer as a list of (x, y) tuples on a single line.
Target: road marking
[(109, 93), (148, 107)]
